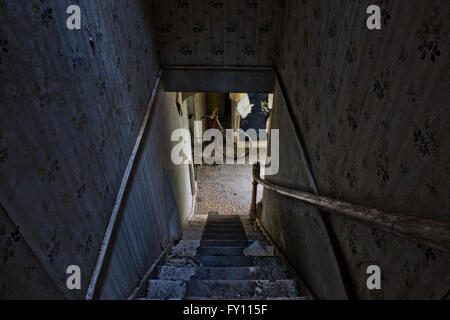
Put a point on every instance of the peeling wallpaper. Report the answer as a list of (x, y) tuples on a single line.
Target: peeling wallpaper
[(215, 32), (373, 110), (69, 119)]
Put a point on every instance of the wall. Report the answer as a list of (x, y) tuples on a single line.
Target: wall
[(70, 117), (231, 33), (372, 106), (297, 228), (159, 197)]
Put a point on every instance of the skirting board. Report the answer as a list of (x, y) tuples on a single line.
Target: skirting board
[(140, 290)]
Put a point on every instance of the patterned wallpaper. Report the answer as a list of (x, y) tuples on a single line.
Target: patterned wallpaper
[(372, 106), (218, 32), (69, 118), (373, 109)]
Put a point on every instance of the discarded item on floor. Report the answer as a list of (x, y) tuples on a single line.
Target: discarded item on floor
[(258, 250)]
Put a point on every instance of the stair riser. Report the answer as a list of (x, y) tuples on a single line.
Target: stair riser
[(234, 289), (237, 273), (224, 243), (230, 261), (239, 261), (214, 236), (220, 251), (222, 226), (220, 273), (224, 231)]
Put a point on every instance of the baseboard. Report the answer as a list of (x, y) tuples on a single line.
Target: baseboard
[(306, 290), (140, 290)]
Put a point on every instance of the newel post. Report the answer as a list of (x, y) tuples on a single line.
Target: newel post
[(256, 171)]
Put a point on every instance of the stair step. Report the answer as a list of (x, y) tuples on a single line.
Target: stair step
[(224, 222), (228, 223), (235, 221), (221, 226), (241, 288), (238, 261), (239, 273), (219, 243), (220, 251), (212, 236), (224, 236), (224, 230), (208, 236), (225, 243), (202, 218), (176, 273), (185, 247), (166, 290), (215, 230), (222, 217), (231, 261), (221, 273)]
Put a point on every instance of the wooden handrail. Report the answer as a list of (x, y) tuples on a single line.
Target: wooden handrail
[(423, 231)]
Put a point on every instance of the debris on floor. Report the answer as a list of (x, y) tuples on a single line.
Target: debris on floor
[(219, 269), (256, 249), (185, 259)]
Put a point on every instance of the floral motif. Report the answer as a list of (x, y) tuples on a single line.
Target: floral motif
[(382, 162), (429, 36), (7, 249), (427, 139), (3, 48), (352, 117), (382, 85), (46, 17)]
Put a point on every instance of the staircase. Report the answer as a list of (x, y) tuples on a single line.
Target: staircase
[(209, 263)]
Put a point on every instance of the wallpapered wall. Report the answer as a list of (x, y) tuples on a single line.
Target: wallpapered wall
[(218, 32), (69, 119), (373, 109), (159, 197)]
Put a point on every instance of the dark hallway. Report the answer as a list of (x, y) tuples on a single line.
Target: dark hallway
[(253, 150)]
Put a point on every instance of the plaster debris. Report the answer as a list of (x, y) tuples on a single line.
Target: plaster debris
[(219, 270), (256, 249), (186, 247), (176, 274), (184, 260)]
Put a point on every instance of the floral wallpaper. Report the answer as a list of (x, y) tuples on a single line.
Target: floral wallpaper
[(218, 32), (372, 106), (373, 110), (70, 114)]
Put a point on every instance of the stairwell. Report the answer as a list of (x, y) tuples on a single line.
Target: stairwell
[(209, 263)]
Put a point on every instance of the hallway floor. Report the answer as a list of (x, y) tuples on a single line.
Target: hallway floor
[(225, 189)]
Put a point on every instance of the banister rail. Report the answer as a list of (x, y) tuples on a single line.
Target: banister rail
[(423, 231)]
